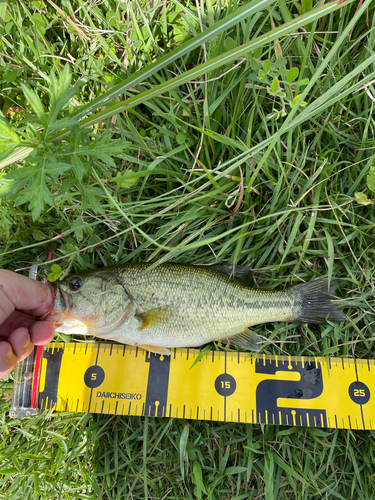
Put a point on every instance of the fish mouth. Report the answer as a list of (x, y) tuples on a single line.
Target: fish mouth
[(62, 303)]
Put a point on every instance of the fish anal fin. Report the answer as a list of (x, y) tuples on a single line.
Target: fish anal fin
[(247, 340), (154, 317), (156, 349)]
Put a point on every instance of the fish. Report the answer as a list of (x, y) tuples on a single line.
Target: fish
[(178, 305)]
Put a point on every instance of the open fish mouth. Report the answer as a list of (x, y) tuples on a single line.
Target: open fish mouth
[(62, 302)]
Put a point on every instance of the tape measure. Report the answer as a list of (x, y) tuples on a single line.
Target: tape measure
[(222, 386)]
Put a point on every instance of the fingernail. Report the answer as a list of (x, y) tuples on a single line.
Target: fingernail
[(9, 354), (26, 344)]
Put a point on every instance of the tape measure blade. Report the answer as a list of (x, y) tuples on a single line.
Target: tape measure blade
[(222, 386)]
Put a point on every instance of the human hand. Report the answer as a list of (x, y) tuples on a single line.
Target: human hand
[(21, 300)]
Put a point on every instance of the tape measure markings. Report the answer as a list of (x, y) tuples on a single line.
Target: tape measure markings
[(221, 386), (97, 381), (49, 385), (354, 389)]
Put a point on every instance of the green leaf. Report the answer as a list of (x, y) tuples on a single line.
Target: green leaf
[(180, 138), (78, 167), (235, 470), (11, 470), (362, 199), (6, 131), (183, 442), (38, 235), (229, 44), (279, 63), (262, 75), (102, 147), (370, 180), (3, 16), (63, 123), (269, 476), (306, 5), (35, 456), (304, 81), (223, 462), (201, 354), (6, 185), (39, 20), (198, 479), (267, 65), (254, 64), (257, 53), (54, 169), (77, 227), (23, 174), (292, 74), (289, 470), (90, 198), (60, 92), (38, 4), (127, 180), (331, 254), (35, 103), (36, 194), (274, 85), (55, 274), (10, 76), (108, 160), (295, 99)]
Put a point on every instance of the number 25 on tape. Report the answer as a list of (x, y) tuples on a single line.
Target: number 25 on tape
[(359, 392)]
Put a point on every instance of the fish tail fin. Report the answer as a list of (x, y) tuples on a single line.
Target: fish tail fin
[(314, 304)]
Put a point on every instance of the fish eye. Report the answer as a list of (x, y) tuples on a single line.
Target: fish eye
[(75, 283)]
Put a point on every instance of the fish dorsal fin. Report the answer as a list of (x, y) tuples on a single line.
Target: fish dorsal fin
[(156, 349), (247, 340), (154, 317), (241, 273)]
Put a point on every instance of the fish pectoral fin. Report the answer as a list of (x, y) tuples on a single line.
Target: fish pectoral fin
[(247, 340), (154, 317), (156, 349)]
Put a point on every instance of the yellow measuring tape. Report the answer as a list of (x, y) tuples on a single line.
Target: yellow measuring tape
[(222, 386)]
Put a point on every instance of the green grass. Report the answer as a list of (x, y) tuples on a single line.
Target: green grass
[(204, 153)]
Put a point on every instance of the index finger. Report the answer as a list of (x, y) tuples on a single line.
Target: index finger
[(24, 294)]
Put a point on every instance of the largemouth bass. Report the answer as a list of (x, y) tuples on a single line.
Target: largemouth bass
[(176, 305)]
